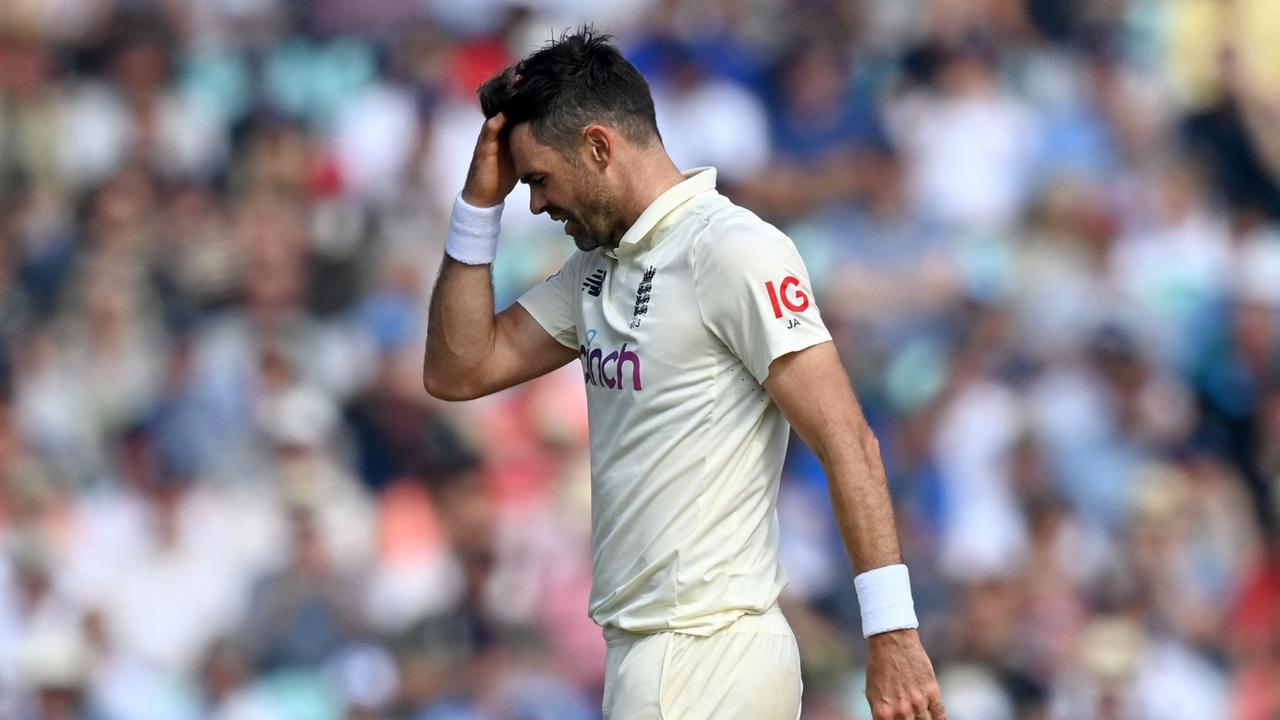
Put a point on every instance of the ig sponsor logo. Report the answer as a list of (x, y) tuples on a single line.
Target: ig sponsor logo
[(797, 301)]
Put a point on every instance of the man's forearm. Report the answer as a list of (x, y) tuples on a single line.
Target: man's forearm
[(860, 498), (864, 514), (460, 327), (831, 423)]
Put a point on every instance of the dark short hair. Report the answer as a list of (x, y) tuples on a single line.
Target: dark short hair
[(580, 79)]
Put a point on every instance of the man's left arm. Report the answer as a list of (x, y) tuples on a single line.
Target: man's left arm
[(812, 390)]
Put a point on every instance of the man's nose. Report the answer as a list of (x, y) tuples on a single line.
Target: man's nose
[(537, 203)]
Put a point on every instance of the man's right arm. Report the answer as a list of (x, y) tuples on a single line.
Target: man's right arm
[(471, 351)]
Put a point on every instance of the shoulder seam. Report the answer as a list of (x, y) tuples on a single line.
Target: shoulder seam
[(696, 246)]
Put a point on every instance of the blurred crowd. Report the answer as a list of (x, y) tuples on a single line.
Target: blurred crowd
[(1044, 234)]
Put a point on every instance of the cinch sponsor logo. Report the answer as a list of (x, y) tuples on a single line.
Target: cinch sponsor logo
[(610, 370)]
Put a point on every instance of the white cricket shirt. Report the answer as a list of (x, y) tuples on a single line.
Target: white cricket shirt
[(675, 330)]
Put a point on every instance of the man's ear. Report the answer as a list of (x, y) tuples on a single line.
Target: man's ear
[(598, 146)]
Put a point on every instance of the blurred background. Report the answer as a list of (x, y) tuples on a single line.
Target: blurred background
[(1043, 233)]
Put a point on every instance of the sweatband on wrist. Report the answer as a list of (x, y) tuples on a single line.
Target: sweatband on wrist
[(884, 594), (473, 233)]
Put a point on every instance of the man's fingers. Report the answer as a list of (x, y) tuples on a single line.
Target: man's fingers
[(935, 704), (494, 125), (901, 710), (900, 681), (925, 705), (490, 129)]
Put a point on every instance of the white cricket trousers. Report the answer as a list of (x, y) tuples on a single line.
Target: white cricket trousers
[(750, 670)]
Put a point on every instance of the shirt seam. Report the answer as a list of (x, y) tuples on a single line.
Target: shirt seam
[(697, 248), (576, 264), (708, 421), (555, 334), (663, 226)]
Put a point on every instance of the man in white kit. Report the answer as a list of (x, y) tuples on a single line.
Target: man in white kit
[(699, 341)]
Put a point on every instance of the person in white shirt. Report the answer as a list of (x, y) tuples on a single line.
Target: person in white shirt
[(699, 340)]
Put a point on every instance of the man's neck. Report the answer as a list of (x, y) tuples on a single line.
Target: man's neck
[(654, 177)]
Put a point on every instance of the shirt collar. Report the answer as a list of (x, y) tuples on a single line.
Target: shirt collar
[(696, 182)]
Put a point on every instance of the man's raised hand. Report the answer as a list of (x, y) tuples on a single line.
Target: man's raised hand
[(492, 174)]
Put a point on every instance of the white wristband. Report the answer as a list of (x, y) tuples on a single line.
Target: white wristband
[(473, 233), (884, 595)]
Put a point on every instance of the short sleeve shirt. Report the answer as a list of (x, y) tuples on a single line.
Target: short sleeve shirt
[(675, 330)]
